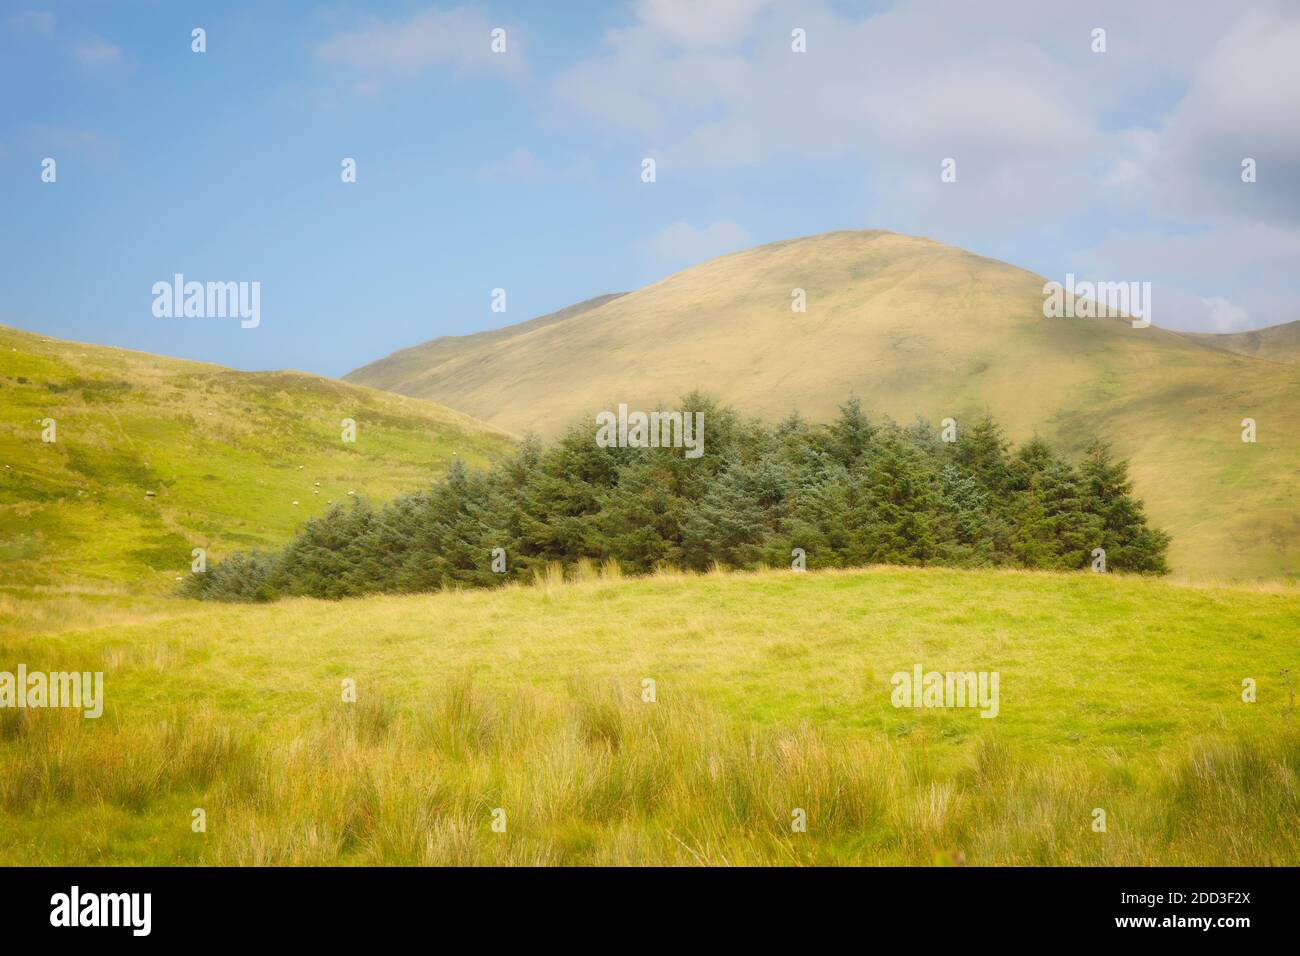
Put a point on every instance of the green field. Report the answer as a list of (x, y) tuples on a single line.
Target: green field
[(154, 457), (772, 690), (772, 693)]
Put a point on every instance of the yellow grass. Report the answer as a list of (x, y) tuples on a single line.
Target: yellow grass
[(771, 696)]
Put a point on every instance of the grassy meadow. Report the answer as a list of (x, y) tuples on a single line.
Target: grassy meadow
[(155, 456), (772, 693), (771, 689)]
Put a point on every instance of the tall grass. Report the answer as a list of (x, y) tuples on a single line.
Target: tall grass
[(595, 775), (773, 696)]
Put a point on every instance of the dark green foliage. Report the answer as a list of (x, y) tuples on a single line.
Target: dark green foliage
[(244, 576), (848, 493), (1107, 495)]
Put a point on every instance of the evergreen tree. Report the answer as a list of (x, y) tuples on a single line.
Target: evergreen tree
[(968, 527), (848, 493), (1054, 530), (1108, 494), (731, 522), (896, 501), (981, 451), (850, 434), (639, 521)]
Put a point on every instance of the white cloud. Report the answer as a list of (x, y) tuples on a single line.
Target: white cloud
[(1011, 90), (682, 243), (701, 23), (1225, 316), (1231, 276), (97, 53), (1143, 141), (1242, 101), (459, 38), (901, 90)]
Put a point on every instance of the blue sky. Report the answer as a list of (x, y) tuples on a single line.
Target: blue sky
[(522, 170)]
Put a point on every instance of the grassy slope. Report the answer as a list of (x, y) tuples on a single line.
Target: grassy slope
[(773, 692), (226, 454), (1278, 343), (392, 371), (913, 327)]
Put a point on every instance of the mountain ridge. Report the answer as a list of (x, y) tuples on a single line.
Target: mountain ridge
[(1273, 343), (912, 327)]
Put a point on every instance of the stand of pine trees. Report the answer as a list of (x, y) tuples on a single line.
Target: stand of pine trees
[(848, 493)]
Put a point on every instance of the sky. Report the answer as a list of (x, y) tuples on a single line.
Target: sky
[(522, 170)]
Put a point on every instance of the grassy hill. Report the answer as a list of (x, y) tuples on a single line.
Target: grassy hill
[(912, 327), (155, 456), (393, 372), (772, 692), (1278, 343)]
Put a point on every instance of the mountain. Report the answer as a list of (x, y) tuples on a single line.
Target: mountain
[(913, 328), (154, 456), (398, 371), (1278, 343)]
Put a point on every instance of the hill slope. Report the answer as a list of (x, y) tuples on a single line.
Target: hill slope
[(912, 327), (1278, 343), (395, 371), (155, 456)]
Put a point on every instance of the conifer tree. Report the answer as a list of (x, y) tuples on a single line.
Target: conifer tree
[(1108, 494), (848, 493)]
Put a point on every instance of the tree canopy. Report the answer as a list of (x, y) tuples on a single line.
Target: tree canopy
[(849, 492)]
